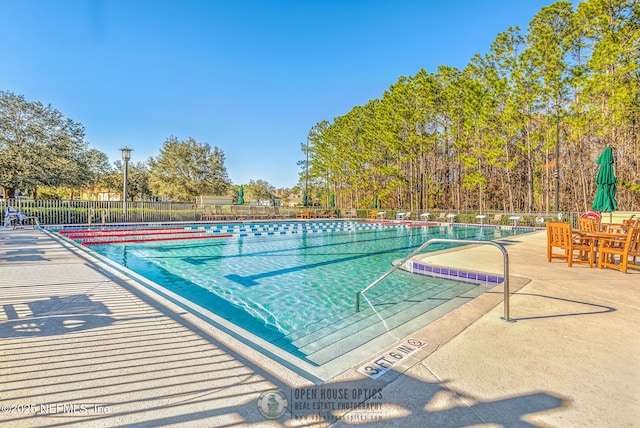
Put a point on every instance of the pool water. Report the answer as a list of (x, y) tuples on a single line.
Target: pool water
[(275, 285)]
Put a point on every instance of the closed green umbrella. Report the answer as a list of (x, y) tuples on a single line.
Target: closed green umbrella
[(605, 200), (241, 195), (333, 200), (304, 199), (375, 201)]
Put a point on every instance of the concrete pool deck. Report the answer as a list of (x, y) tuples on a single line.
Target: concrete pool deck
[(82, 345)]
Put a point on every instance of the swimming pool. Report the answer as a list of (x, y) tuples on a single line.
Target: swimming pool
[(287, 282)]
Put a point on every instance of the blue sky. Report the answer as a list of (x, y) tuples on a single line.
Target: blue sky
[(250, 77)]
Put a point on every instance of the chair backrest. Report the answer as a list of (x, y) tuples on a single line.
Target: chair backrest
[(559, 234), (218, 210), (631, 222), (632, 245), (614, 228), (587, 225)]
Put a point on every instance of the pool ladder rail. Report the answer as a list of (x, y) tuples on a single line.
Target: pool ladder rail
[(505, 257)]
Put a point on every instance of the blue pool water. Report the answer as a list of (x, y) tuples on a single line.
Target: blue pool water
[(275, 285)]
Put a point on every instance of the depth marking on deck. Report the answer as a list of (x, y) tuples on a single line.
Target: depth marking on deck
[(385, 362)]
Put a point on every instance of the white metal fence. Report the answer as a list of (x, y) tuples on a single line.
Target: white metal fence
[(51, 211)]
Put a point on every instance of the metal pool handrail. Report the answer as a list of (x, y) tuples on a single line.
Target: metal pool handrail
[(505, 257)]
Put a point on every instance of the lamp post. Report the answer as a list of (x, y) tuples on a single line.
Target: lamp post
[(126, 155), (306, 181), (556, 109)]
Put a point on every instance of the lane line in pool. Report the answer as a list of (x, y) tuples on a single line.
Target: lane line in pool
[(181, 238), (114, 229), (206, 233), (120, 234), (140, 235)]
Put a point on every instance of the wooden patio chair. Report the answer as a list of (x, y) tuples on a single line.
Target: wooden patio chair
[(560, 235), (623, 248), (305, 213), (270, 212), (631, 222), (277, 213), (219, 215), (255, 214), (372, 214), (587, 225), (237, 214), (617, 229), (614, 228), (592, 216)]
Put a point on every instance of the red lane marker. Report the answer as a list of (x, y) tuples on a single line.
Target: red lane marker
[(180, 238), (67, 231), (99, 235)]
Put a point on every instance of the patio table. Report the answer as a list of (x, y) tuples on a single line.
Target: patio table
[(596, 237)]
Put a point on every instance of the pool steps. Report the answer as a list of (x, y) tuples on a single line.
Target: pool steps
[(401, 293), (335, 335)]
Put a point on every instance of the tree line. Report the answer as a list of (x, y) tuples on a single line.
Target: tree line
[(45, 155), (515, 129)]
